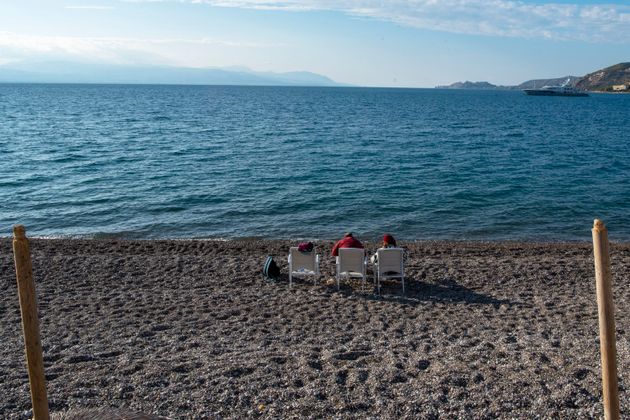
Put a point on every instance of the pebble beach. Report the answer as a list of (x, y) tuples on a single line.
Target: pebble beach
[(189, 329)]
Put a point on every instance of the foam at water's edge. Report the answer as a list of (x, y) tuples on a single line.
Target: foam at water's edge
[(372, 241)]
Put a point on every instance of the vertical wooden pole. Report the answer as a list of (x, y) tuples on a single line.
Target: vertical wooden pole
[(606, 321), (30, 323)]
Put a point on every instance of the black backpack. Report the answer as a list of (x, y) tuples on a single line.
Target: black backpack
[(271, 269)]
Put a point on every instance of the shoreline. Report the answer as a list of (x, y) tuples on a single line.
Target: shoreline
[(454, 242), (189, 329)]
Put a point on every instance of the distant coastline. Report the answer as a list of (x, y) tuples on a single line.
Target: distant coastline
[(529, 84), (613, 79)]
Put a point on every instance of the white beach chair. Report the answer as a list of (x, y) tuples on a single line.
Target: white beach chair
[(389, 264), (303, 264), (351, 262)]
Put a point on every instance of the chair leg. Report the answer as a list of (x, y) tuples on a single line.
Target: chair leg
[(374, 279), (403, 282), (290, 279)]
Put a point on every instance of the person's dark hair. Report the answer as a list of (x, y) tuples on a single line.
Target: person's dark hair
[(389, 240), (348, 234), (305, 247)]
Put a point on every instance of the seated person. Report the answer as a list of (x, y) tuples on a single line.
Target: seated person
[(388, 242), (348, 241)]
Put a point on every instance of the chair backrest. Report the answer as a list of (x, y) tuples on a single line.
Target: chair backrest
[(302, 260), (390, 259), (351, 259)]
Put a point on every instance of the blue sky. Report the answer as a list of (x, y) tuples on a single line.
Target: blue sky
[(417, 43)]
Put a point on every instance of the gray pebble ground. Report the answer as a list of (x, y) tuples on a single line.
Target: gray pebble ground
[(187, 329)]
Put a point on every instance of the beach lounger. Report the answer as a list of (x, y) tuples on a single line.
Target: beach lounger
[(351, 262), (389, 264), (303, 264)]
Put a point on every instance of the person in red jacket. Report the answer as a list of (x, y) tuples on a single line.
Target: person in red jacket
[(348, 241)]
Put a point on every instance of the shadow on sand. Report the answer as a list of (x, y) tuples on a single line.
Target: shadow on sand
[(445, 290)]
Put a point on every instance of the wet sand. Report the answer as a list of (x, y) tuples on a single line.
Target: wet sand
[(187, 329)]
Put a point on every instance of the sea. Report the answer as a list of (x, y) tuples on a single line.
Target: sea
[(225, 162)]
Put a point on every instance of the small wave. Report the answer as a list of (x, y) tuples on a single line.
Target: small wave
[(66, 158), (58, 236), (114, 235), (12, 183), (166, 209)]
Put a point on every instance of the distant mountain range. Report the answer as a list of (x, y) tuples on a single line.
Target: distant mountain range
[(530, 84), (599, 81), (75, 72), (470, 85), (72, 72)]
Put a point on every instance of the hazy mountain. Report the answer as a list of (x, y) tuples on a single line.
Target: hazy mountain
[(605, 79), (470, 85), (530, 84), (70, 72)]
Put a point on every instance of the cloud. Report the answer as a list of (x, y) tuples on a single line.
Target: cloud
[(89, 7), (509, 18), (107, 49)]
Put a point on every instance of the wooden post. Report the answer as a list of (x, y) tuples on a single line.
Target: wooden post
[(606, 321), (30, 323)]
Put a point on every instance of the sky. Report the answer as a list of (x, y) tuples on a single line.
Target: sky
[(406, 43)]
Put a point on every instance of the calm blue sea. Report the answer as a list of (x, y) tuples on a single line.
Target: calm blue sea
[(287, 162)]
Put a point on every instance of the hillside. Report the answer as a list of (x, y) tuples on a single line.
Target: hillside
[(538, 83), (601, 80), (605, 79)]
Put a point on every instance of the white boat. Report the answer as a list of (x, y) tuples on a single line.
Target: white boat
[(562, 90)]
